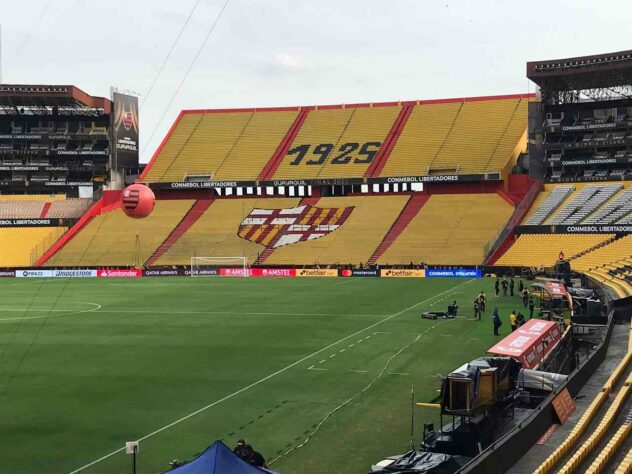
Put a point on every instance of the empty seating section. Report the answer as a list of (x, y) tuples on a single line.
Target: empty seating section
[(355, 241), (32, 206), (614, 210), (21, 209), (22, 246), (542, 250), (25, 206), (421, 139), (115, 239), (583, 203), (483, 136), (255, 146), (228, 145), (214, 234), (337, 143), (69, 208), (544, 208), (610, 264), (474, 136), (450, 229)]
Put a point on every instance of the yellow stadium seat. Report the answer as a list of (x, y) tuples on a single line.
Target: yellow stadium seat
[(115, 239), (542, 250), (355, 241), (337, 143), (214, 234), (227, 145), (474, 136), (22, 246), (450, 229)]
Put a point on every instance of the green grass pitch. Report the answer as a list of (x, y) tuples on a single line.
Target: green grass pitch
[(86, 365)]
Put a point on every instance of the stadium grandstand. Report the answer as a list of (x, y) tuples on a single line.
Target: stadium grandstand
[(330, 162), (528, 188)]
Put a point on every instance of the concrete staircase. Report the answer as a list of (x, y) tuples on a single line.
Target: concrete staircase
[(190, 218), (410, 210)]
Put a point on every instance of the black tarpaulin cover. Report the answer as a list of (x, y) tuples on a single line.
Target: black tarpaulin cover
[(418, 462), (505, 366)]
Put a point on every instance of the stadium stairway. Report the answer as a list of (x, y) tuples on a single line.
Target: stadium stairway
[(45, 209), (307, 201), (376, 167), (272, 165), (199, 207), (410, 210), (94, 211)]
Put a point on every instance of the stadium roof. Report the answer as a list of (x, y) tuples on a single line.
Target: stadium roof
[(49, 95), (583, 72)]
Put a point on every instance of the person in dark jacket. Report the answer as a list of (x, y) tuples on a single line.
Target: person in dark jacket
[(239, 449), (253, 457), (512, 285), (531, 307), (496, 320), (477, 310), (520, 286), (482, 301), (505, 284), (521, 320), (497, 287), (525, 297)]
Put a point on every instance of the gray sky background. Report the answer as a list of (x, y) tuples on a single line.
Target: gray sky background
[(298, 52)]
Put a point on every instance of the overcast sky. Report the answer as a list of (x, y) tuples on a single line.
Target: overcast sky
[(297, 52)]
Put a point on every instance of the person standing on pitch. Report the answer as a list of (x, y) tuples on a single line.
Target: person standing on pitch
[(531, 307), (505, 286), (496, 320), (482, 300), (512, 285), (520, 285), (513, 320), (477, 310), (525, 297), (497, 287)]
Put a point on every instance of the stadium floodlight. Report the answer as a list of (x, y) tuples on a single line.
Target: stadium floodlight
[(210, 266)]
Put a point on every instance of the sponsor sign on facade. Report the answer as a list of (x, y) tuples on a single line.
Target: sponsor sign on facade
[(454, 273), (317, 272), (33, 222), (164, 272), (74, 273), (7, 273), (120, 273), (359, 272), (574, 229), (34, 273), (453, 178), (401, 273), (258, 272)]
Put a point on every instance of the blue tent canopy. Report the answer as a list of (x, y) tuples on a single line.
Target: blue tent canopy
[(218, 459)]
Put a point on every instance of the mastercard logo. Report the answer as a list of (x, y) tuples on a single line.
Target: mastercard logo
[(346, 273)]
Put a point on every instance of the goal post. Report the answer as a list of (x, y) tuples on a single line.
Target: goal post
[(209, 266)]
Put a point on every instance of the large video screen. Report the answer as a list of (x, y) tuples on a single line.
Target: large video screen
[(125, 131)]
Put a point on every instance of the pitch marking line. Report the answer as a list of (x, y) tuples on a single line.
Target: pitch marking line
[(118, 311), (268, 377), (315, 368), (358, 371), (398, 373), (63, 312)]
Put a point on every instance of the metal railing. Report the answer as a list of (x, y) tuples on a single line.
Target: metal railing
[(514, 220)]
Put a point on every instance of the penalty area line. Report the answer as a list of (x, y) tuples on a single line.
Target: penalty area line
[(268, 377)]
